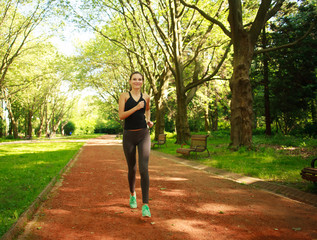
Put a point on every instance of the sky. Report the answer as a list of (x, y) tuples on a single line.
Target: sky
[(71, 36), (66, 42)]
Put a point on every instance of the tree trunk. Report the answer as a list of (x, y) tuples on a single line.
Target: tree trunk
[(47, 125), (160, 104), (14, 123), (215, 115), (29, 125), (159, 118), (313, 111), (10, 129), (55, 127), (15, 130), (56, 124), (2, 124), (244, 37), (2, 118), (62, 127), (268, 130), (207, 118), (241, 102), (207, 123), (182, 127), (39, 133)]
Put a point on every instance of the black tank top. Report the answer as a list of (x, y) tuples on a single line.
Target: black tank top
[(137, 119)]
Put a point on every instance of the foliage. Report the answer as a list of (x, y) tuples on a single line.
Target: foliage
[(292, 72), (40, 82), (108, 127), (84, 115), (210, 106), (296, 69), (311, 130), (69, 128), (18, 21)]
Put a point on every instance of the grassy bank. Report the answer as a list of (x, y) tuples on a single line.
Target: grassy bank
[(278, 159), (25, 170), (56, 138)]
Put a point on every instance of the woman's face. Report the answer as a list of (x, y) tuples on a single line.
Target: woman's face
[(136, 81)]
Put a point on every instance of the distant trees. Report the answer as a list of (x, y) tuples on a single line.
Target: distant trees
[(181, 39), (69, 128), (196, 80), (27, 73), (16, 29), (33, 90), (169, 45), (291, 72)]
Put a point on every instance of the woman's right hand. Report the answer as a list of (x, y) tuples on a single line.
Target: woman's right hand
[(140, 105)]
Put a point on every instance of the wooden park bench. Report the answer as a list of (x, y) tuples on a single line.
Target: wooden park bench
[(160, 141), (310, 173), (28, 137), (198, 143)]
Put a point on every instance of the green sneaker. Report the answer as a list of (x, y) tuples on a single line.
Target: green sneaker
[(133, 203), (146, 211)]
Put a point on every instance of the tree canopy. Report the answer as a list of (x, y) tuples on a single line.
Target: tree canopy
[(208, 65)]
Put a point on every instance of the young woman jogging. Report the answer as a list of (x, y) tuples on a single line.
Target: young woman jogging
[(134, 109)]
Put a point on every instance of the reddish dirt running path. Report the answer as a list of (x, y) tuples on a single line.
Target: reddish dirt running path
[(92, 203)]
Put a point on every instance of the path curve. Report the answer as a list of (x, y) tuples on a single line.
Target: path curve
[(186, 203)]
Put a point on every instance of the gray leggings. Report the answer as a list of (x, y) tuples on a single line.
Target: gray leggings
[(142, 139)]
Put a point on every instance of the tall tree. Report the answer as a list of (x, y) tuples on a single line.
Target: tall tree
[(166, 42), (135, 51), (244, 37), (267, 111), (293, 77), (182, 37), (103, 67), (17, 21)]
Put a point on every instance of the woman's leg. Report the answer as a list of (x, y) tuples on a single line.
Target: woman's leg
[(144, 148), (129, 149)]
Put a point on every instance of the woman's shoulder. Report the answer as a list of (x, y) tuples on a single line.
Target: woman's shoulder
[(146, 96), (124, 95)]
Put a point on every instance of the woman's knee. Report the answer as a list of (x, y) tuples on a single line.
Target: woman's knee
[(144, 172)]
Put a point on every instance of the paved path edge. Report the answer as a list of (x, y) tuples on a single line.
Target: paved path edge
[(284, 191), (280, 190)]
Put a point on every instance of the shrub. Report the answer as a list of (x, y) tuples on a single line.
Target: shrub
[(109, 127), (169, 124), (311, 130), (9, 137), (69, 128)]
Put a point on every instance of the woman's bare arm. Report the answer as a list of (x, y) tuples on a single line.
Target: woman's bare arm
[(148, 111)]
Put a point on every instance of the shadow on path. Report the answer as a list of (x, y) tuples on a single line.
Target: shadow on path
[(91, 202)]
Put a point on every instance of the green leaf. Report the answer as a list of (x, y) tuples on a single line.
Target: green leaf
[(297, 229), (119, 212)]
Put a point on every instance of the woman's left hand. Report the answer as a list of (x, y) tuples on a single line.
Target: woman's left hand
[(150, 124)]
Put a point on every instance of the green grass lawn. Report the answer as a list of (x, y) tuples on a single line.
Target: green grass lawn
[(57, 137), (25, 170), (278, 159)]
